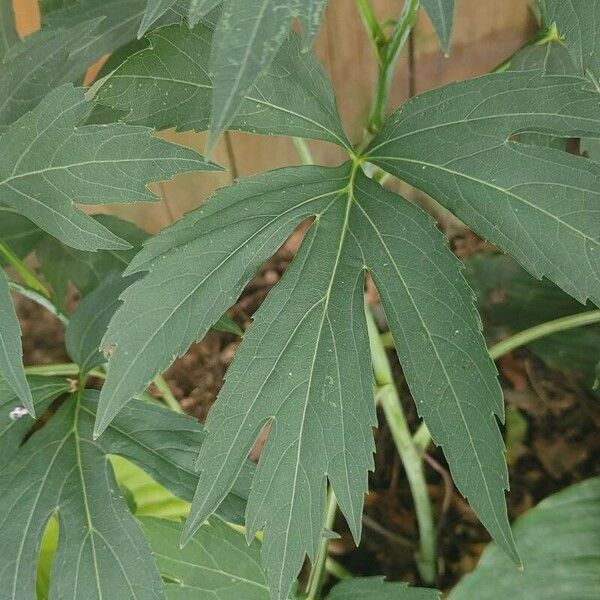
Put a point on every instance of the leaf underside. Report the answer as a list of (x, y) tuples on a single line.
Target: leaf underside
[(218, 564), (301, 367)]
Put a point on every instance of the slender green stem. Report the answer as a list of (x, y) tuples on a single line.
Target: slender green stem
[(317, 572), (38, 298), (26, 274), (336, 569), (167, 394), (388, 54), (422, 437), (389, 400), (372, 26), (62, 370)]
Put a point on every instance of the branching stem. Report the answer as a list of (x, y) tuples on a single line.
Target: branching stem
[(389, 399)]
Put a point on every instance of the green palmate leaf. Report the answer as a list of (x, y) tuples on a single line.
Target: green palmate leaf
[(37, 65), (11, 353), (48, 163), (578, 24), (102, 552), (119, 22), (249, 33), (44, 390), (199, 8), (89, 322), (441, 13), (8, 30), (511, 300), (217, 565), (301, 366), (154, 10), (169, 85), (539, 204), (375, 588), (61, 264), (149, 497), (559, 541)]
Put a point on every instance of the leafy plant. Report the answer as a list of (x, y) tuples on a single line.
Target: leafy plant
[(558, 540), (491, 150)]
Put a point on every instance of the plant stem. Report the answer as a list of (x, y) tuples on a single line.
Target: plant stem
[(389, 399), (167, 394), (28, 276), (315, 579), (388, 52), (38, 298)]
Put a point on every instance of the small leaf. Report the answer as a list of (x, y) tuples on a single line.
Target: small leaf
[(559, 541), (218, 565), (48, 163), (249, 33), (375, 588), (441, 13), (538, 204), (199, 8), (510, 300), (168, 85), (11, 352)]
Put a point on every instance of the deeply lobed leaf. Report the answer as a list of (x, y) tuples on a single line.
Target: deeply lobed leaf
[(301, 369), (50, 162), (538, 204), (102, 552)]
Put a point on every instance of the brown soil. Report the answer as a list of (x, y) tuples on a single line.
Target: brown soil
[(558, 447)]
